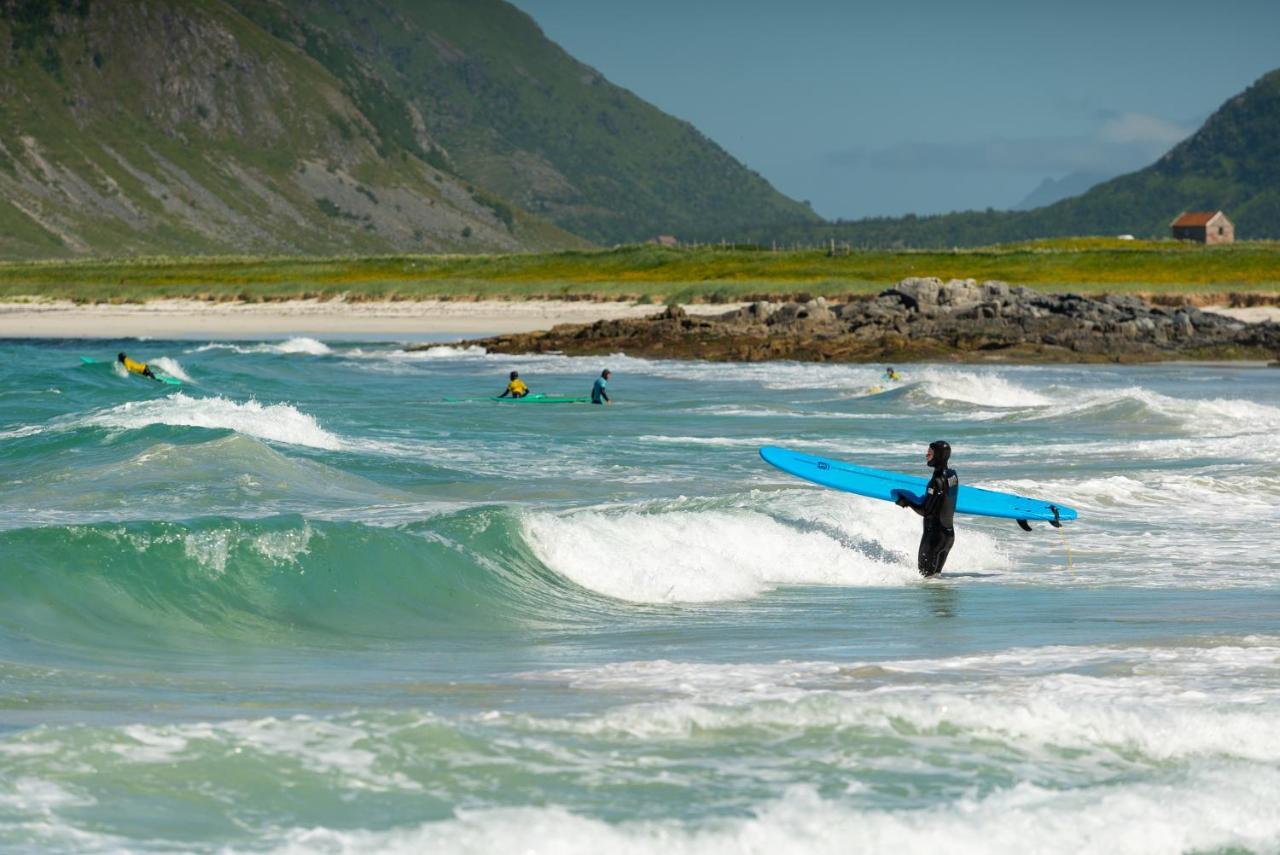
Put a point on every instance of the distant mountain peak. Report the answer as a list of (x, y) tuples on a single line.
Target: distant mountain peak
[(1052, 190)]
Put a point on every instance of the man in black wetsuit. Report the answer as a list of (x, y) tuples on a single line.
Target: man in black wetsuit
[(938, 507)]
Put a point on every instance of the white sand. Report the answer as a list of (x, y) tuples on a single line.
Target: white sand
[(1250, 314), (197, 318)]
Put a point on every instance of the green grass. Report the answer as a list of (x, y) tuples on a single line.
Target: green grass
[(645, 273)]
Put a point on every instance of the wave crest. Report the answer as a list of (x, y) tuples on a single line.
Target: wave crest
[(275, 422)]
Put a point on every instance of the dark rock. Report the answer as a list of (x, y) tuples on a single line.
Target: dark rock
[(922, 318)]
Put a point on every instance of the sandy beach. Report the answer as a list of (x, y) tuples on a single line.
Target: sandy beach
[(199, 319)]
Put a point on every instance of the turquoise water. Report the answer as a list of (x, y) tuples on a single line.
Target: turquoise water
[(303, 604)]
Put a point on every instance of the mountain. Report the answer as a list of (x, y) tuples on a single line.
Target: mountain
[(182, 127), (516, 114), (1231, 163), (133, 127), (1052, 190)]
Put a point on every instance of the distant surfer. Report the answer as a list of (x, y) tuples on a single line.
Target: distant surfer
[(516, 388), (599, 393), (938, 508), (890, 376), (135, 367)]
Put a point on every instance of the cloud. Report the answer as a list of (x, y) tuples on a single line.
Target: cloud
[(1142, 129), (1120, 142)]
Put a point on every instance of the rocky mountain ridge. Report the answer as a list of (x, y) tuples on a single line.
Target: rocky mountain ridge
[(319, 127)]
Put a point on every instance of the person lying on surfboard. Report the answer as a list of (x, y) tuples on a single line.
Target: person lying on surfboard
[(516, 388), (135, 367), (938, 508), (890, 376)]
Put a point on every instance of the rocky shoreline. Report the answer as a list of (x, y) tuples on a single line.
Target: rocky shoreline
[(921, 319)]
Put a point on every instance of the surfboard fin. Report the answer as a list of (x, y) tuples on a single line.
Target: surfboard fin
[(1055, 522), (1024, 525)]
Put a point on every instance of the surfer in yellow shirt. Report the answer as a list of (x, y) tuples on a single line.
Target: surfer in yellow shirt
[(135, 367), (516, 388)]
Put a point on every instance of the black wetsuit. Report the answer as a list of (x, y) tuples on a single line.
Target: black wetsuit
[(938, 508)]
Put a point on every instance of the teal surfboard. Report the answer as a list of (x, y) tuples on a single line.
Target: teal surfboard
[(163, 378), (888, 486), (528, 399)]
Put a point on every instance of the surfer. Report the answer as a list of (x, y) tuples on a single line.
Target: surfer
[(134, 367), (938, 508), (598, 393), (516, 388), (890, 376)]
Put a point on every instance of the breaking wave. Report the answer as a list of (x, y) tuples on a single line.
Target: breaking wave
[(276, 422), (302, 344)]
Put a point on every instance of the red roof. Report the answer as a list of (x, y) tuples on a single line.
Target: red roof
[(1195, 218)]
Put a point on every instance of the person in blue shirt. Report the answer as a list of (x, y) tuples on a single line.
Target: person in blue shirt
[(598, 393)]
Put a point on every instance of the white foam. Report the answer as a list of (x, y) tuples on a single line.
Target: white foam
[(171, 367), (301, 344), (331, 747), (983, 388), (1152, 704), (695, 557), (211, 549), (1196, 495), (274, 422), (33, 795), (1206, 810), (726, 553), (1213, 416), (443, 351), (19, 432)]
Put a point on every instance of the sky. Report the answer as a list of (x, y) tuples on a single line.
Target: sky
[(926, 106)]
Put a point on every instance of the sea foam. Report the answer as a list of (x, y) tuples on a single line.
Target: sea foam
[(1206, 811), (171, 367), (705, 554), (274, 422), (301, 344)]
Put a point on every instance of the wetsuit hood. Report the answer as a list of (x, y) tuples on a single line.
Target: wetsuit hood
[(941, 453)]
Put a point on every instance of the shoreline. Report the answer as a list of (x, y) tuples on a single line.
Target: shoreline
[(183, 319), (180, 319)]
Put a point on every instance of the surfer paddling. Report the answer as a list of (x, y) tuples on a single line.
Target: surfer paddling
[(937, 508), (135, 367)]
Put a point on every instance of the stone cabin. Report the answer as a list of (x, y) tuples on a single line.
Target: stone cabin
[(664, 240), (1204, 227)]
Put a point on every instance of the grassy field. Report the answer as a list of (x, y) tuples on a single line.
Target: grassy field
[(1250, 271)]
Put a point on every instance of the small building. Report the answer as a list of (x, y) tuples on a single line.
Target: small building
[(1204, 227), (664, 240)]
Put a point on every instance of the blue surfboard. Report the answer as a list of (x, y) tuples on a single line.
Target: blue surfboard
[(888, 486)]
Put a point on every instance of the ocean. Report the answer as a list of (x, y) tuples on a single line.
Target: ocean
[(303, 604)]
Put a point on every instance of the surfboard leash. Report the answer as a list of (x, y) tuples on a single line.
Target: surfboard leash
[(1062, 532)]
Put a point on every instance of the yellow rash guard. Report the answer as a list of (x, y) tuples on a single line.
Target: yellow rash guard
[(134, 367), (517, 389)]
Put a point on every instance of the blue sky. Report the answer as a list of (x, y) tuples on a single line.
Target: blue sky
[(926, 105)]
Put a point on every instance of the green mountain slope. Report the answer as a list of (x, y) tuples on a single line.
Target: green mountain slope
[(1232, 163), (180, 126), (519, 116)]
